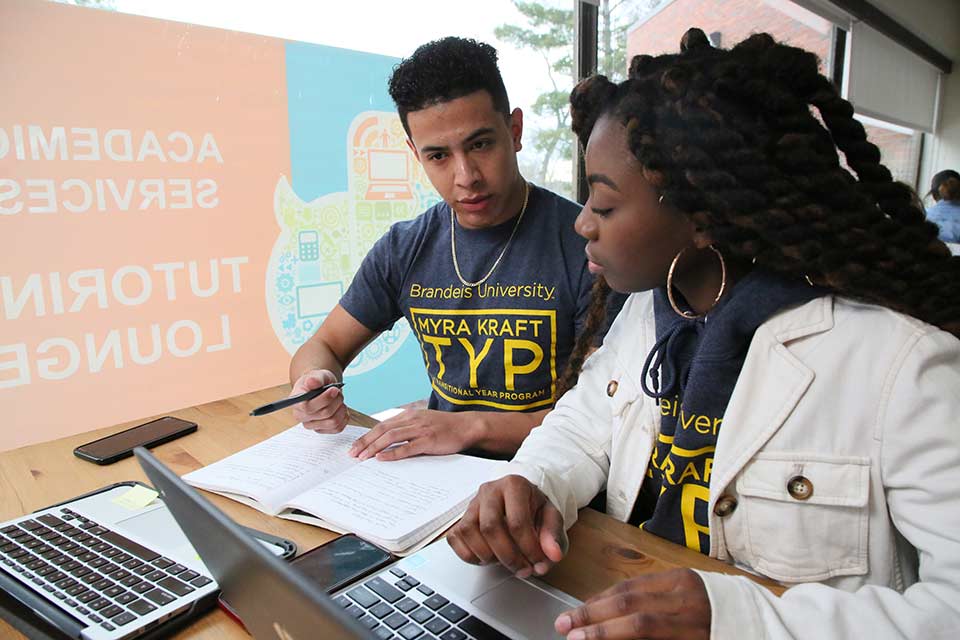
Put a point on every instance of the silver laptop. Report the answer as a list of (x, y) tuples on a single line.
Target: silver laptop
[(98, 568), (430, 594)]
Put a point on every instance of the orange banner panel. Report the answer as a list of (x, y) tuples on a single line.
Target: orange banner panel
[(138, 164)]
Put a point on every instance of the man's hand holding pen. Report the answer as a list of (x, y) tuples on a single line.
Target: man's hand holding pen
[(326, 413)]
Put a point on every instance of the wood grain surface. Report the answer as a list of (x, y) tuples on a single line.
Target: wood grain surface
[(603, 551)]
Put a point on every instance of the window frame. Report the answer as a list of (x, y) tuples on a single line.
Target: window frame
[(586, 39)]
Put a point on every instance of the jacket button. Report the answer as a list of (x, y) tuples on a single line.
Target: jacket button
[(799, 488), (612, 388), (725, 506)]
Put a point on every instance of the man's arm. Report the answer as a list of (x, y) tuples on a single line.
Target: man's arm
[(505, 431), (321, 360), (334, 346)]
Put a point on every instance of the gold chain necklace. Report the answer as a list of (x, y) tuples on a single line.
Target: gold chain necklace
[(453, 242)]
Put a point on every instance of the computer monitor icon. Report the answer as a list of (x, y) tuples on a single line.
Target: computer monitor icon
[(389, 174), (317, 300)]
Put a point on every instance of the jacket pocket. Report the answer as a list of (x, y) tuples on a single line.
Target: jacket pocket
[(622, 393), (629, 432), (806, 515)]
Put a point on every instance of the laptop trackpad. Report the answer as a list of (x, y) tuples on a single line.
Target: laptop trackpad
[(522, 607)]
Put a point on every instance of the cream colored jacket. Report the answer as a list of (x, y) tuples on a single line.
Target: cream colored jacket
[(861, 401)]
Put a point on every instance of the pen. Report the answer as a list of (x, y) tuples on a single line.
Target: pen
[(286, 402)]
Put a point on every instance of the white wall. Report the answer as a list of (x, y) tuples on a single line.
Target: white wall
[(938, 22), (943, 150)]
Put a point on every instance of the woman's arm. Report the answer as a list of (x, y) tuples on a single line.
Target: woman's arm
[(919, 424)]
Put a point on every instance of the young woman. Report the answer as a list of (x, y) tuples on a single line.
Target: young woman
[(781, 390)]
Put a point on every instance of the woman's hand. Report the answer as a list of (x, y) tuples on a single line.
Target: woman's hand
[(511, 522), (668, 605)]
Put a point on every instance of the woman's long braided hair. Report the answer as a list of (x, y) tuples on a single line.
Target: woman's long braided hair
[(729, 139)]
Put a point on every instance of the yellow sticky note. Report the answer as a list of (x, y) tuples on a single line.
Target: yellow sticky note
[(137, 498)]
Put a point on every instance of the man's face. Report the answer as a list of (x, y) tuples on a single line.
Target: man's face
[(469, 151)]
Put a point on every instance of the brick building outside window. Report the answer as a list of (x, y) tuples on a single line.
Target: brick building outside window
[(729, 21)]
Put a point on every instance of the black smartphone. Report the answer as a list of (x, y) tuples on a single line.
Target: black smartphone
[(121, 445), (333, 565), (341, 561)]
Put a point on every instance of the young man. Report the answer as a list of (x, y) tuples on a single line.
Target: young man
[(493, 280)]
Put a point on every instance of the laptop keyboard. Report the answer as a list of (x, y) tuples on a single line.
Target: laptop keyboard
[(396, 605), (99, 574)]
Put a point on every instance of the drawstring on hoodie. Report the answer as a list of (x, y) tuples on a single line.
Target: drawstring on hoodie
[(663, 357)]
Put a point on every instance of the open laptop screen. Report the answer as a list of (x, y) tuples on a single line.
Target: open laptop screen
[(273, 600)]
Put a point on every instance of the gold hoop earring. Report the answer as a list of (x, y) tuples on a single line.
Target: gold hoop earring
[(723, 284)]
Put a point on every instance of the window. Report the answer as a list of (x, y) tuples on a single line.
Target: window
[(899, 148), (659, 24), (656, 26)]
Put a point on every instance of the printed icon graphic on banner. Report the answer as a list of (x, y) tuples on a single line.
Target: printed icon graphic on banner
[(321, 243), (309, 246), (317, 300), (389, 174)]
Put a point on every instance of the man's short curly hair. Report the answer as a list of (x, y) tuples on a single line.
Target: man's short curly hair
[(444, 70)]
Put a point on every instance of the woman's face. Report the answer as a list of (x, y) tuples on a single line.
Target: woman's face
[(631, 237)]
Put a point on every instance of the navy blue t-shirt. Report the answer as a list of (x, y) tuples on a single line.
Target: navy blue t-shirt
[(500, 345), (699, 364)]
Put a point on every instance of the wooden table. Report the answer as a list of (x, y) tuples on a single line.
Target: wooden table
[(602, 550)]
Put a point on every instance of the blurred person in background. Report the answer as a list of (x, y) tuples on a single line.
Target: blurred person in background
[(945, 189)]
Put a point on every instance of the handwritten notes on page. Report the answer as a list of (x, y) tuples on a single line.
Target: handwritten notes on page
[(396, 505)]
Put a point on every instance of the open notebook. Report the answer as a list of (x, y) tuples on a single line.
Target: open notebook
[(304, 476)]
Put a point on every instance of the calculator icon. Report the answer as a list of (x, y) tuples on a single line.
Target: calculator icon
[(309, 243)]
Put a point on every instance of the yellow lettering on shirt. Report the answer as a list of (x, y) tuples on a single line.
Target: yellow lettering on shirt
[(669, 407), (438, 342), (511, 370), (474, 358), (476, 337), (700, 423), (688, 501), (689, 470), (668, 470)]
